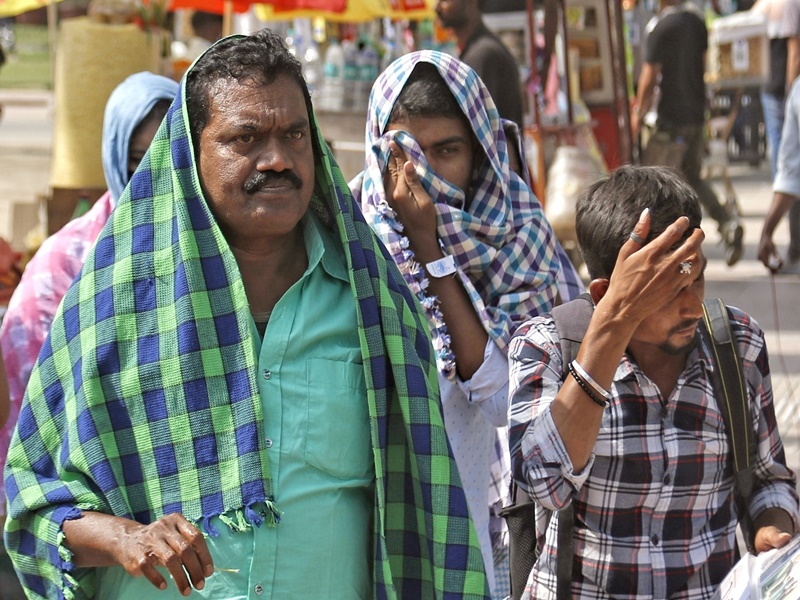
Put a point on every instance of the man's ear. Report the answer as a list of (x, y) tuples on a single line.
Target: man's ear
[(598, 289)]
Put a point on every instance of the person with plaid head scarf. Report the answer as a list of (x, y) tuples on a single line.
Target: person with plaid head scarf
[(472, 243), (239, 390)]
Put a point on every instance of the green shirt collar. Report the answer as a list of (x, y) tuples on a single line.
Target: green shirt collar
[(322, 247)]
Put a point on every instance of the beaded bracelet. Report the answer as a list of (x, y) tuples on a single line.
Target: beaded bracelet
[(600, 401)]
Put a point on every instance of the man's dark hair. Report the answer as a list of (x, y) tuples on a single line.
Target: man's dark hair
[(608, 210), (426, 94), (254, 60)]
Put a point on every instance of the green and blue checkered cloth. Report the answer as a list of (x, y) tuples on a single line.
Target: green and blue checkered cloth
[(144, 400)]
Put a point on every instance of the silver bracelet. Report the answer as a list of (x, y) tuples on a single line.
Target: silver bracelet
[(591, 382)]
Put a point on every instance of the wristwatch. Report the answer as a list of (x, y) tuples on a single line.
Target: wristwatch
[(442, 267)]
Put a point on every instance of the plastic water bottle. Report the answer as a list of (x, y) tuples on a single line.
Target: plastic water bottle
[(291, 43), (333, 86), (350, 53), (312, 69), (392, 42), (368, 65)]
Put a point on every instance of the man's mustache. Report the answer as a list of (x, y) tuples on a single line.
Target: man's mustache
[(266, 178), (684, 325)]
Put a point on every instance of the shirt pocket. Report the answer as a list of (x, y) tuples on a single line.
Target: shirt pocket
[(337, 428), (702, 429)]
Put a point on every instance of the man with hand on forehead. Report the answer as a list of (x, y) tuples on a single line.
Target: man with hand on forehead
[(631, 431)]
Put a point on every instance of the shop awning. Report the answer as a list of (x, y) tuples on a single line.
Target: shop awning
[(12, 8), (354, 11), (342, 11)]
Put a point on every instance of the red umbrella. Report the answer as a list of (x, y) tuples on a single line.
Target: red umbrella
[(228, 7), (218, 6)]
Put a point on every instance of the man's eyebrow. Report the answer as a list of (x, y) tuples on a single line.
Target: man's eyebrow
[(254, 125), (300, 123), (455, 139)]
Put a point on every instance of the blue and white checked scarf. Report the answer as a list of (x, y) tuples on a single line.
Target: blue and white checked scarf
[(570, 284), (503, 246)]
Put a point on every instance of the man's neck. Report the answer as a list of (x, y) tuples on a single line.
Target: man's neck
[(269, 271), (465, 33), (661, 368)]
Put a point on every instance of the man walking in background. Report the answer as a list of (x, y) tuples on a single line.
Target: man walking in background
[(676, 52), (485, 53), (783, 29)]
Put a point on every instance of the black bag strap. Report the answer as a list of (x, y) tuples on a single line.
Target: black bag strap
[(572, 321), (731, 393)]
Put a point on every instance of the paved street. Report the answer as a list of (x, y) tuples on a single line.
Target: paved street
[(770, 300), (25, 152)]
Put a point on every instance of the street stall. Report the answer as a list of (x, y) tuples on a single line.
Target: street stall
[(572, 59), (86, 73), (738, 66)]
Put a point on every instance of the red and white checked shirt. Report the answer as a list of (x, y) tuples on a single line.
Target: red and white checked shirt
[(654, 515)]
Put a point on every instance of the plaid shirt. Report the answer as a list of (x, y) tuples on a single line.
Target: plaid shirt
[(654, 515)]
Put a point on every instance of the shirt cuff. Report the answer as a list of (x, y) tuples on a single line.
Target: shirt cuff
[(783, 185), (777, 495), (488, 388), (550, 451), (490, 378)]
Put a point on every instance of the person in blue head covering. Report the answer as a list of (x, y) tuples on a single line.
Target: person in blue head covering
[(133, 113)]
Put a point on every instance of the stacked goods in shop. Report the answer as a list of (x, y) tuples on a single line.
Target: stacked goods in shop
[(738, 54)]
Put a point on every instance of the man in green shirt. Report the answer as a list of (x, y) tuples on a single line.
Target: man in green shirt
[(238, 358)]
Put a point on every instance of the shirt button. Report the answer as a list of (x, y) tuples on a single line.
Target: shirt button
[(266, 374), (263, 513), (654, 539), (667, 479), (259, 589), (268, 443)]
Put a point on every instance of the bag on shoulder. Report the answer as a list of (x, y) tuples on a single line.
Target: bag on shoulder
[(572, 320)]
